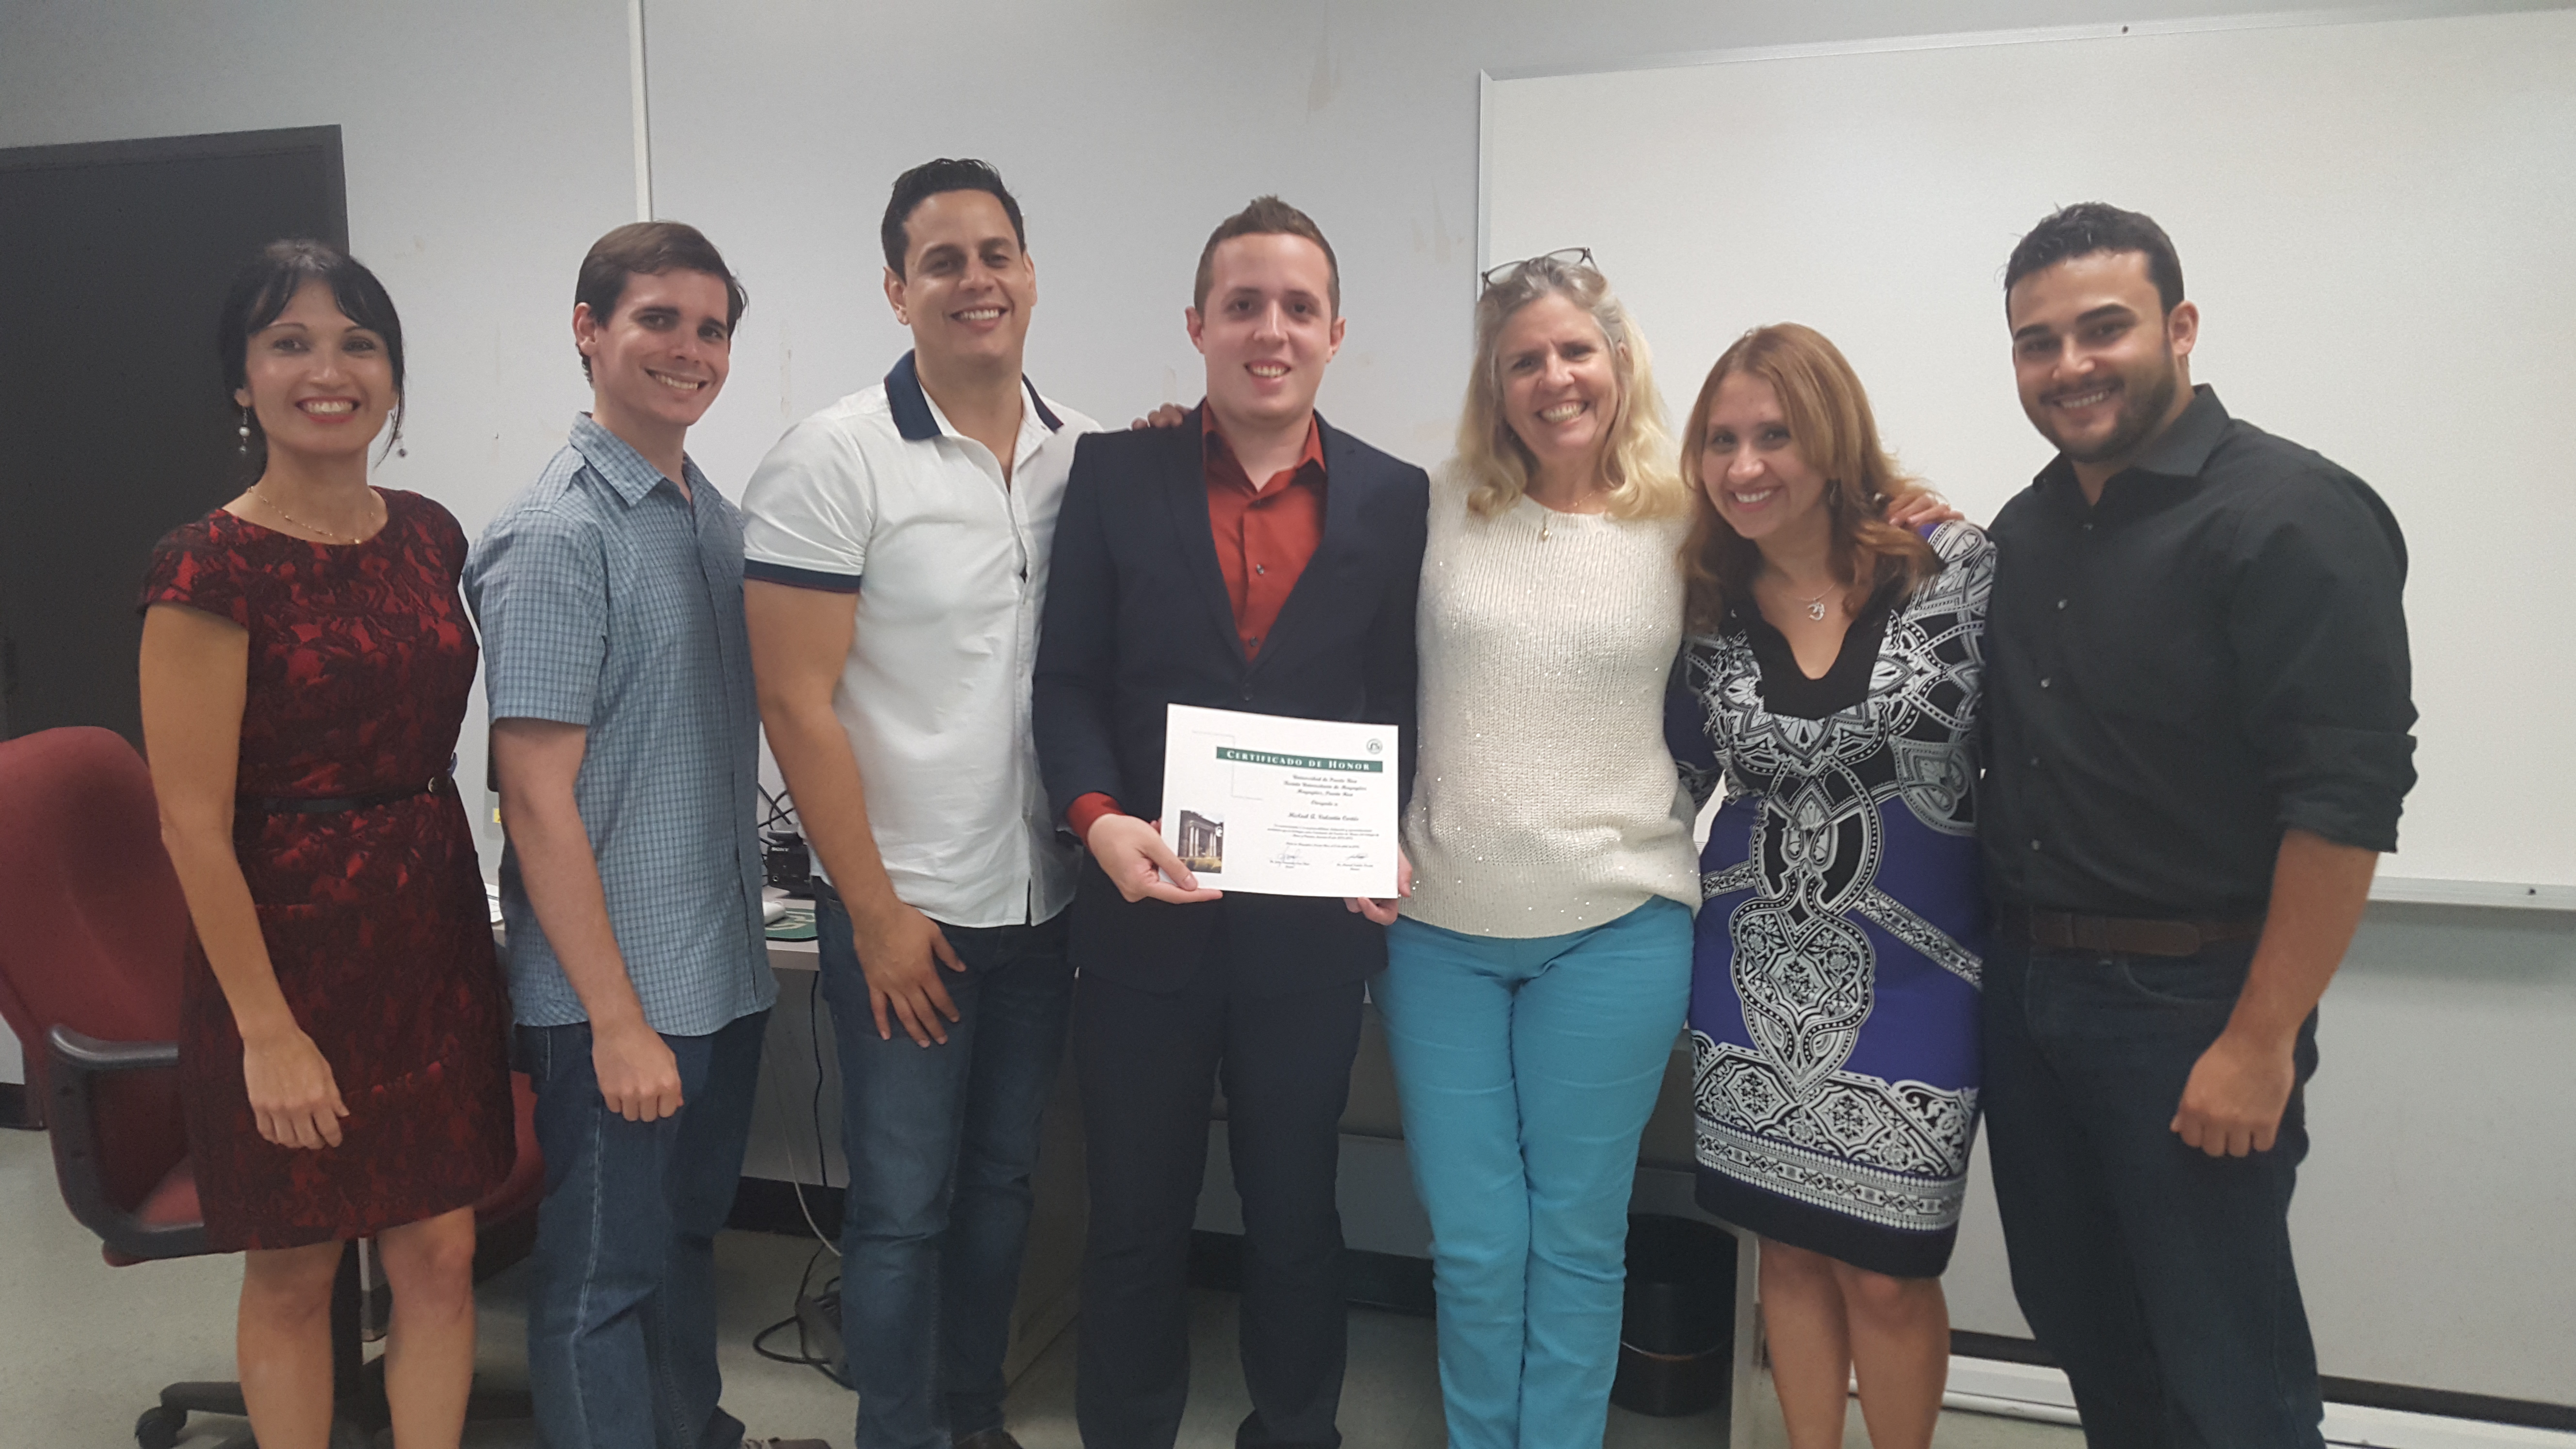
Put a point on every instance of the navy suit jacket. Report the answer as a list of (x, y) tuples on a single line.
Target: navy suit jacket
[(1137, 618)]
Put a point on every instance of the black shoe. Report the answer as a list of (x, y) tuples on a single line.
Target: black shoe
[(996, 1437)]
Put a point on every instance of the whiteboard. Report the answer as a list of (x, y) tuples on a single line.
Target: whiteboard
[(2377, 219)]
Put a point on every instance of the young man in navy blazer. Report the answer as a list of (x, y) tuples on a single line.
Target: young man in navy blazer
[(1253, 558)]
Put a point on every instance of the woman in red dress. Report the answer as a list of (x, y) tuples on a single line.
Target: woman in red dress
[(306, 661)]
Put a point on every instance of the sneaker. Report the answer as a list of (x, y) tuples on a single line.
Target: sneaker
[(750, 1443), (996, 1437)]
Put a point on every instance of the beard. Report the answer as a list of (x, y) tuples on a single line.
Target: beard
[(2145, 401)]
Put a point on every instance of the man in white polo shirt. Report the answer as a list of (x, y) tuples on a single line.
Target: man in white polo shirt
[(896, 548)]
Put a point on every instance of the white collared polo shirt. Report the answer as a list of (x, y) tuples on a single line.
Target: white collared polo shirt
[(879, 496)]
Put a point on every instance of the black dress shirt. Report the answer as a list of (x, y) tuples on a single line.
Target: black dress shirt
[(2213, 654)]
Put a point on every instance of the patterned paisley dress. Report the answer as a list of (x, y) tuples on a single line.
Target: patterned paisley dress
[(1834, 1001), (361, 658)]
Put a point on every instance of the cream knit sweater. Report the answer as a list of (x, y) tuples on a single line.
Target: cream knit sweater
[(1545, 801)]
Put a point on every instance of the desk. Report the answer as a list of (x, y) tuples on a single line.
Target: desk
[(794, 957)]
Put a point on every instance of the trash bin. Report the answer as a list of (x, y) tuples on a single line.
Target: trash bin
[(1677, 1326)]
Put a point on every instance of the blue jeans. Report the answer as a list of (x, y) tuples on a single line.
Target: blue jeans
[(2159, 1276), (941, 1142), (1526, 1069), (621, 1303)]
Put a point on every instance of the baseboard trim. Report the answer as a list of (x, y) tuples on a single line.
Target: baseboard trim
[(2444, 1403), (767, 1205), (1996, 1346), (2016, 1376)]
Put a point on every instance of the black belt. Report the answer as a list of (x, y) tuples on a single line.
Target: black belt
[(335, 804), (2128, 935)]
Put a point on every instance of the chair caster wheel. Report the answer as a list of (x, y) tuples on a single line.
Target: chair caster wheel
[(160, 1427)]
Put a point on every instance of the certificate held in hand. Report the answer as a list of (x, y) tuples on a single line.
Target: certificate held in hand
[(1279, 806)]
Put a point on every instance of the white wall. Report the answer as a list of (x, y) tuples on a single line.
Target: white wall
[(1128, 130), (487, 144)]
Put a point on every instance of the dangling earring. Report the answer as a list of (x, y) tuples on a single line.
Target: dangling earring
[(244, 449)]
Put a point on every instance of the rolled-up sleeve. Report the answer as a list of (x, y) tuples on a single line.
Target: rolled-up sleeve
[(2317, 622), (538, 586)]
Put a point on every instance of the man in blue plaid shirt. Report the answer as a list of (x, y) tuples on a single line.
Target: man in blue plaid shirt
[(626, 743)]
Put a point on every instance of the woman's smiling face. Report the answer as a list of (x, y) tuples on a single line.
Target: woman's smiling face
[(319, 383), (1750, 466), (1559, 388)]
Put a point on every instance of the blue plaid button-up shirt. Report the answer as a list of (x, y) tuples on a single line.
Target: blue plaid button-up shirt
[(608, 600)]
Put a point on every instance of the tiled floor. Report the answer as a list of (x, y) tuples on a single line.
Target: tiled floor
[(85, 1347)]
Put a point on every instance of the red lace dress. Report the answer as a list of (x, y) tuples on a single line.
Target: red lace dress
[(360, 661)]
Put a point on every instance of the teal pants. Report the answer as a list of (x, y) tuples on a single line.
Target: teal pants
[(1526, 1070)]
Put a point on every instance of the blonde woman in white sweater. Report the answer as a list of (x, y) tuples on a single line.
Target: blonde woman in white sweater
[(1539, 972)]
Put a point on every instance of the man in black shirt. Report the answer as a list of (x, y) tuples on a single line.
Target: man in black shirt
[(2197, 712)]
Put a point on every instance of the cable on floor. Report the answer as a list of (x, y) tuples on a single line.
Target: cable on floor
[(830, 1302)]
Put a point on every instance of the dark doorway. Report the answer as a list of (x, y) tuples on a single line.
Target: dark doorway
[(114, 427)]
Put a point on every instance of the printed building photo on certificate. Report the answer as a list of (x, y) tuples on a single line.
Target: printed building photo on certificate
[(1279, 806), (1200, 843)]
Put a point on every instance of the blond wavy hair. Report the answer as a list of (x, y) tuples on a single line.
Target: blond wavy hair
[(1637, 457)]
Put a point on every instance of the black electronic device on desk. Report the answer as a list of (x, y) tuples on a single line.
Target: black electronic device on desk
[(788, 864), (784, 856)]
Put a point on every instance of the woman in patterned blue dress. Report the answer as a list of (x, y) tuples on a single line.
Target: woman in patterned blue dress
[(1831, 681)]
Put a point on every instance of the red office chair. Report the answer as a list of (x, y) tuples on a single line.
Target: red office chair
[(95, 929)]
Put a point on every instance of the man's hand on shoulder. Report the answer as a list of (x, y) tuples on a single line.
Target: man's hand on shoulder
[(1169, 415), (900, 952), (1921, 508), (1132, 854)]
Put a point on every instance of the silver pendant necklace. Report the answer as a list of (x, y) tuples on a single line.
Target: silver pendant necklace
[(1816, 607)]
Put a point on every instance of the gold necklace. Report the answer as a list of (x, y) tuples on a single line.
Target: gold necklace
[(281, 512)]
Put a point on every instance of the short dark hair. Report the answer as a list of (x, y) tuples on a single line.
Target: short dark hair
[(267, 286), (1266, 216), (931, 178), (648, 249), (2093, 226)]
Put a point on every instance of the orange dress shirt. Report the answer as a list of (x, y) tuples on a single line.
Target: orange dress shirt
[(1264, 537)]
